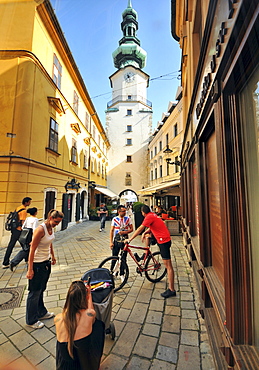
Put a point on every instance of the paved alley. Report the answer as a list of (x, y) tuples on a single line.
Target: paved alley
[(151, 333)]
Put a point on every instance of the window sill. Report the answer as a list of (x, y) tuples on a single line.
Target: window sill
[(52, 151), (74, 163), (85, 168)]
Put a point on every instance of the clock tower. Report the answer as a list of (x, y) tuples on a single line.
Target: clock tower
[(128, 114)]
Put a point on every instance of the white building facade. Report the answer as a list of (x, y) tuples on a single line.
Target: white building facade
[(129, 114)]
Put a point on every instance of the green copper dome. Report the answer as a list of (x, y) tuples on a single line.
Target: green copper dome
[(129, 51)]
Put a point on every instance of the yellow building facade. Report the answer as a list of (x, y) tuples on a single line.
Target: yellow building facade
[(53, 146), (164, 158)]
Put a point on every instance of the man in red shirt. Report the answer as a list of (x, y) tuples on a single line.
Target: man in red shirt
[(158, 228)]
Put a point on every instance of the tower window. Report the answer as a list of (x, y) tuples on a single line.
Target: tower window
[(129, 97), (129, 112), (129, 159), (128, 179), (129, 128), (129, 142)]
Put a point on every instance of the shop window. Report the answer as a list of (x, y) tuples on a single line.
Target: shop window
[(53, 135), (57, 71), (249, 101)]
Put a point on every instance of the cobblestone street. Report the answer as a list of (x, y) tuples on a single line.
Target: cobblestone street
[(151, 333)]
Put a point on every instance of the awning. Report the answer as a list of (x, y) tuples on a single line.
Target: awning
[(107, 192), (161, 186)]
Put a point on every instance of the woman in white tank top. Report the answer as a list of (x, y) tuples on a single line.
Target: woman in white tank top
[(41, 258)]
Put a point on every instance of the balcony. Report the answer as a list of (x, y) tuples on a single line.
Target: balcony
[(129, 98)]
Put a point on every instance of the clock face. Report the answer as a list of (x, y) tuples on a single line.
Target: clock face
[(129, 76)]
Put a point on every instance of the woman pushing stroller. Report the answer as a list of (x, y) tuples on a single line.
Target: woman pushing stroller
[(80, 337)]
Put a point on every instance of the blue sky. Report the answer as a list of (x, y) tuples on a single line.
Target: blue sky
[(92, 30)]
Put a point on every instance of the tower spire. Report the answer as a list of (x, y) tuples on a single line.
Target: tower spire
[(129, 51)]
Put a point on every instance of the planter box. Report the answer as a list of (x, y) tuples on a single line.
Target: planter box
[(173, 227)]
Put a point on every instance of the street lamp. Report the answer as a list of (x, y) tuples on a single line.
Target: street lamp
[(169, 151), (177, 163)]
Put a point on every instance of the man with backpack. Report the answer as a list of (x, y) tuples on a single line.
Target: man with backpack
[(15, 226)]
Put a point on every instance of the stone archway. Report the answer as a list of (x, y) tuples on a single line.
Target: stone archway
[(128, 196)]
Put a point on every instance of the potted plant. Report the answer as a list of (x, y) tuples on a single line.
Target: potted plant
[(93, 214), (138, 217)]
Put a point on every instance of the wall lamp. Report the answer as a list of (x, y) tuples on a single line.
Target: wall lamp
[(168, 151), (177, 163)]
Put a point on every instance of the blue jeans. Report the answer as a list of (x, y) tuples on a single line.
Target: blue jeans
[(14, 237), (35, 308), (20, 256), (102, 219)]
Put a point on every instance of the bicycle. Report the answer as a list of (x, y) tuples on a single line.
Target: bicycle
[(152, 265)]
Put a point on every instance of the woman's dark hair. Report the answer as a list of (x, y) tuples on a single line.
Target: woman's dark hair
[(75, 301), (55, 214), (145, 209), (32, 211)]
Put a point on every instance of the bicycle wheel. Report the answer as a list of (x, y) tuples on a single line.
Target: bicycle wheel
[(116, 268), (154, 267)]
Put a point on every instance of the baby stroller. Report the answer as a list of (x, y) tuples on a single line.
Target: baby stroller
[(102, 287)]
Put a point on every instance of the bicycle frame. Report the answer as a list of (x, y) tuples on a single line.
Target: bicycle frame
[(147, 250)]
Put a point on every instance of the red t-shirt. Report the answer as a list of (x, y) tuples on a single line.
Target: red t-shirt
[(157, 227)]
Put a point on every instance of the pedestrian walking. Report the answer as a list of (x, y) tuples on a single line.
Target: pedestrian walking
[(31, 222), (158, 228), (121, 226), (41, 258), (16, 232), (80, 337), (102, 213)]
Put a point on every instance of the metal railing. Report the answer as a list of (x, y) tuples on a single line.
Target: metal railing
[(129, 98)]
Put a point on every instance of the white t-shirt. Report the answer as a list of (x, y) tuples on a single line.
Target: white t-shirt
[(31, 222)]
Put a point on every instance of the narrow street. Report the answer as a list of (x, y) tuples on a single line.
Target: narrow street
[(151, 333)]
